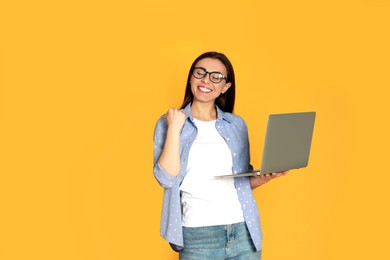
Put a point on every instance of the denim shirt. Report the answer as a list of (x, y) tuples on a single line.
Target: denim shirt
[(234, 131)]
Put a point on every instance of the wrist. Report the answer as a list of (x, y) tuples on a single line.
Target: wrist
[(173, 130)]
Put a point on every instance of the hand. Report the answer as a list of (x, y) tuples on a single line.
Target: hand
[(261, 179), (175, 119)]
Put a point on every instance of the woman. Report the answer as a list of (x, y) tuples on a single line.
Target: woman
[(205, 217)]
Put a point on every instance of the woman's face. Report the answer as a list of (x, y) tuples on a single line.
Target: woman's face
[(204, 89)]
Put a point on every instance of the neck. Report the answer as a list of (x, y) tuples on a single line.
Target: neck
[(204, 112)]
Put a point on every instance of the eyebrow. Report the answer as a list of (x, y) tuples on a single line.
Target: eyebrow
[(209, 71)]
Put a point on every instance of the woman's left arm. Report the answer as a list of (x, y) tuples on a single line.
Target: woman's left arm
[(257, 181)]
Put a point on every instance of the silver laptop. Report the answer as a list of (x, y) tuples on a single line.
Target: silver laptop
[(287, 143)]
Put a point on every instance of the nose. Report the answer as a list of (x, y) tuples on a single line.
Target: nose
[(206, 78)]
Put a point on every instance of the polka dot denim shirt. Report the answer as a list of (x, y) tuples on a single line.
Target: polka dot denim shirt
[(234, 130)]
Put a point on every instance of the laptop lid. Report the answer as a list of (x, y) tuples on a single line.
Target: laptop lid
[(287, 143)]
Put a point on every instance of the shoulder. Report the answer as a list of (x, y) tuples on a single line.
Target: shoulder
[(161, 120), (235, 119), (161, 124)]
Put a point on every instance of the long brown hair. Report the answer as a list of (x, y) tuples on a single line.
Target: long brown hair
[(225, 101)]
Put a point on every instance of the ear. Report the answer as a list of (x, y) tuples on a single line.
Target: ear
[(226, 87)]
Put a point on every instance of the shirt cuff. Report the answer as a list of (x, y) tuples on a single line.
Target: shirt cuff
[(164, 178)]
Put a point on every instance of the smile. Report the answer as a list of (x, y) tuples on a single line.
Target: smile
[(204, 90)]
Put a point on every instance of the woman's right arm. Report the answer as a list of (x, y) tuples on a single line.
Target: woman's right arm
[(170, 156)]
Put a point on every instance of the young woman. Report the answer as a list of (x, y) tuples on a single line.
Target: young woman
[(204, 217)]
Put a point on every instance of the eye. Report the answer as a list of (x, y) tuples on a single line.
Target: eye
[(200, 72), (216, 76)]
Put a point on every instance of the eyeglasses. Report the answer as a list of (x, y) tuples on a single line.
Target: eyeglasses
[(200, 73)]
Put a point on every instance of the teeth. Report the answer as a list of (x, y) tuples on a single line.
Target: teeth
[(204, 89)]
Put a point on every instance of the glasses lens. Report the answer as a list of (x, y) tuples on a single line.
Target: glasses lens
[(216, 77), (199, 73)]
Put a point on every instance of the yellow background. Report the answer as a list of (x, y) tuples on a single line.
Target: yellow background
[(83, 83)]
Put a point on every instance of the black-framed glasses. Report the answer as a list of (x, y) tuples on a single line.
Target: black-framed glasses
[(200, 73)]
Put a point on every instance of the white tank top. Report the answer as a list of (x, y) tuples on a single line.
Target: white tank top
[(206, 200)]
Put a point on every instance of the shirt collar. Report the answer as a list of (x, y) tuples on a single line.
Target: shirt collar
[(220, 114)]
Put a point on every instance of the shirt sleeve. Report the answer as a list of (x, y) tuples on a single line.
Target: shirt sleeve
[(160, 132), (246, 140)]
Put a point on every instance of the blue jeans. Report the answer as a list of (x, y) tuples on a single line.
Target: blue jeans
[(218, 242)]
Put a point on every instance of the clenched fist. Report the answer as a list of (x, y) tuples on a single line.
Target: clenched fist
[(175, 119)]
